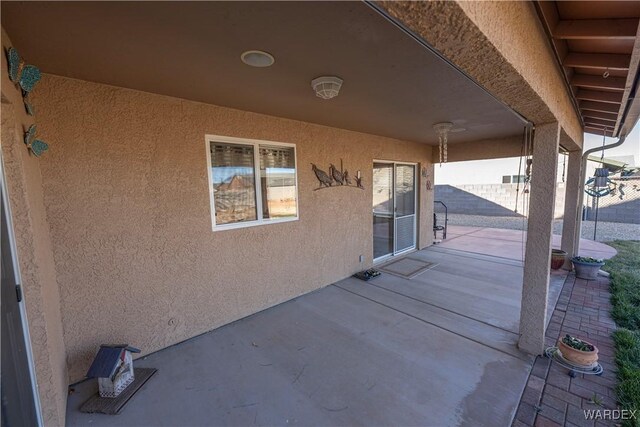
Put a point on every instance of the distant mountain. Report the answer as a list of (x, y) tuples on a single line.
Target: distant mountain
[(237, 183)]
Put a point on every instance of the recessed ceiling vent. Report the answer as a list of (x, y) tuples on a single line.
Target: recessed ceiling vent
[(327, 87), (257, 58)]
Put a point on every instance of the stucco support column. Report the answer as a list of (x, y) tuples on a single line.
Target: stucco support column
[(572, 212), (538, 253)]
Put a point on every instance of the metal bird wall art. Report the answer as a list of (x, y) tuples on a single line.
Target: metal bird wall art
[(336, 177), (347, 179), (324, 179)]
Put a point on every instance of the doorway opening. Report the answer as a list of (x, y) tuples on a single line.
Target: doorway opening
[(394, 208)]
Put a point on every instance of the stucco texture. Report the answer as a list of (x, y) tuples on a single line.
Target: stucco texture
[(535, 288), (126, 194), (495, 43), (35, 259)]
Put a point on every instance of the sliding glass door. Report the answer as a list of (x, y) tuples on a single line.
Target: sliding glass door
[(394, 208), (405, 198), (383, 206)]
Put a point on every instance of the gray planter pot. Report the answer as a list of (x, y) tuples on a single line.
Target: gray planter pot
[(586, 270)]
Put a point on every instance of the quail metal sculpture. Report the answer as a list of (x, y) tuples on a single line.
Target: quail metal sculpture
[(322, 176), (347, 180), (339, 177), (336, 174)]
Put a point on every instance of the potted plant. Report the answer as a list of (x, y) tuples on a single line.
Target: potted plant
[(587, 267), (578, 351), (558, 257)]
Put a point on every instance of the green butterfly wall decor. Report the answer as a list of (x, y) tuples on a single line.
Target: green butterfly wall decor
[(24, 75), (36, 146)]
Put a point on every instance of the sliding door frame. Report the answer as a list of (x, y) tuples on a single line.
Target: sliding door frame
[(416, 188)]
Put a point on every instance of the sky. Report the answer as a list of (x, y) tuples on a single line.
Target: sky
[(491, 171)]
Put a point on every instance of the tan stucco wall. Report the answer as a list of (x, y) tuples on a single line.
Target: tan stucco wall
[(502, 46), (34, 247), (535, 287), (126, 194)]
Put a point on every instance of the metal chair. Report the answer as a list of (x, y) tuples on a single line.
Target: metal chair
[(437, 227)]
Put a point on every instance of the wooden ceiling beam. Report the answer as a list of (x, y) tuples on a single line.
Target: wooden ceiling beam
[(600, 115), (603, 123), (608, 61), (599, 96), (585, 29), (602, 107), (596, 131), (598, 128), (598, 82)]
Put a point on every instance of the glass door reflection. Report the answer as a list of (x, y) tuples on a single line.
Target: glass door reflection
[(383, 207), (394, 208), (405, 202)]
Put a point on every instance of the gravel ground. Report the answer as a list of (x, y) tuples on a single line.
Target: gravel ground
[(607, 231)]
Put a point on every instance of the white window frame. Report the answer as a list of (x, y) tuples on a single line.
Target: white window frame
[(256, 143)]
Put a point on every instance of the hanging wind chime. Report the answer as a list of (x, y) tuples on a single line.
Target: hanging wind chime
[(442, 130)]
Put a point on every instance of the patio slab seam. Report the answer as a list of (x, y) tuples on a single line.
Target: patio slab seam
[(523, 357), (438, 307), (476, 255)]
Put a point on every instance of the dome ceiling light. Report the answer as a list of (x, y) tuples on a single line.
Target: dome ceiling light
[(327, 87), (257, 58)]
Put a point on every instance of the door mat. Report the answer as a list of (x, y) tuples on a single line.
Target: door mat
[(407, 268), (113, 405)]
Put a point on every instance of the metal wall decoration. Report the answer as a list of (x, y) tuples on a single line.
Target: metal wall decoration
[(24, 76), (425, 176), (336, 177), (36, 146)]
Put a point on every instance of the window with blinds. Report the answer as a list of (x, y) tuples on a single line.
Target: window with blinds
[(278, 182), (251, 182)]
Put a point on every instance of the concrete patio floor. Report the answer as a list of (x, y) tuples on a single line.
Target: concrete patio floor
[(436, 350), (506, 243)]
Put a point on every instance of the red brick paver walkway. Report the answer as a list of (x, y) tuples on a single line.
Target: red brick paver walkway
[(551, 397)]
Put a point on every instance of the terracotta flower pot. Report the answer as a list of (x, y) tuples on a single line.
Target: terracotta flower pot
[(558, 257), (578, 357)]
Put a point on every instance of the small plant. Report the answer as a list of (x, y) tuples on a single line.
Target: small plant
[(576, 343), (588, 260), (596, 400)]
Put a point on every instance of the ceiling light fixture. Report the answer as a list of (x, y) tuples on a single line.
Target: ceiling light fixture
[(257, 58), (327, 87)]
